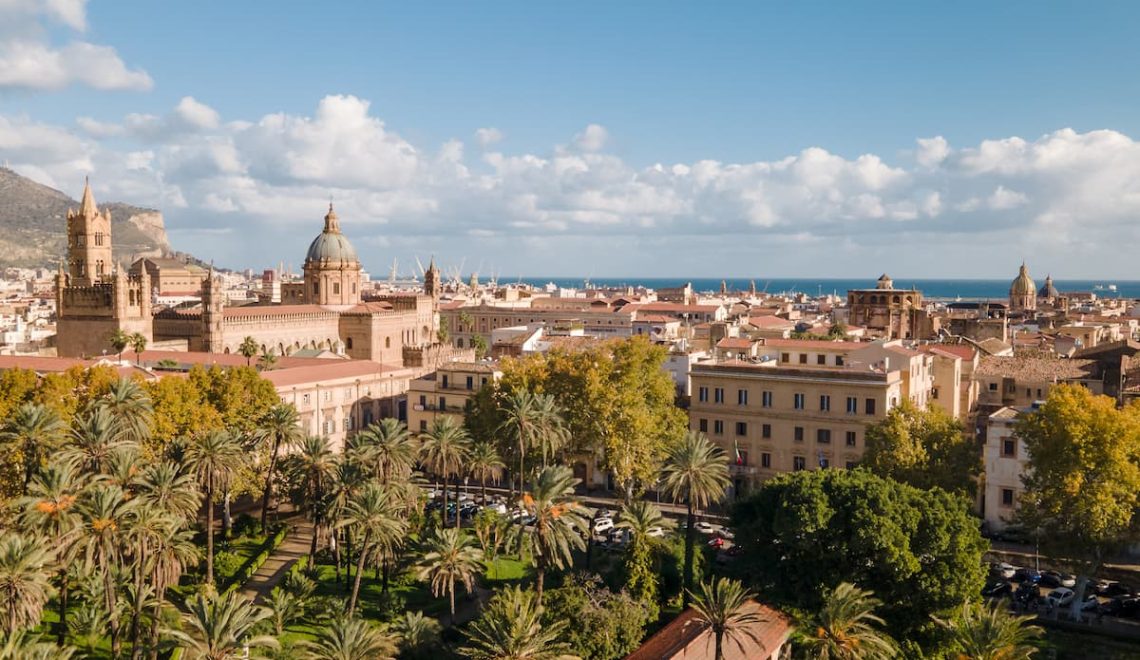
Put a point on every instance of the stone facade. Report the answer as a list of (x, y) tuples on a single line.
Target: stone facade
[(892, 313)]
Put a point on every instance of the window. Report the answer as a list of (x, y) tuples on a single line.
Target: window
[(347, 423), (741, 428), (443, 403), (850, 438), (1028, 392), (98, 238), (718, 426), (336, 288), (821, 359), (765, 431), (784, 357), (1038, 392), (718, 395), (305, 399), (852, 405), (80, 240), (798, 463), (423, 400), (316, 288), (993, 387), (870, 406), (823, 436), (839, 360), (387, 342), (348, 343), (765, 460), (934, 393), (445, 381), (703, 425), (1007, 497), (799, 401), (742, 397), (423, 424), (798, 434), (766, 399), (824, 462), (825, 402), (703, 394), (470, 382), (1008, 448), (803, 358)]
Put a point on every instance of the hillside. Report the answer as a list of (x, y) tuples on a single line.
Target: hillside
[(33, 225)]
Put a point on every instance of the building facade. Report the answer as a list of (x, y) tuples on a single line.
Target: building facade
[(447, 391), (887, 311)]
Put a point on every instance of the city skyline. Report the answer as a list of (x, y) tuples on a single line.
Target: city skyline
[(623, 143)]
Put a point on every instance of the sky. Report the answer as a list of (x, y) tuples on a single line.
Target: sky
[(599, 139)]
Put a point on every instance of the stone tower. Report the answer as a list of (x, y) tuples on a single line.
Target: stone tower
[(94, 297), (431, 281), (213, 314), (332, 270), (88, 242)]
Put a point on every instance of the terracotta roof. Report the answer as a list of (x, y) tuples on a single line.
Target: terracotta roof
[(452, 304), (812, 343), (274, 310), (185, 358), (964, 351), (654, 318), (768, 321), (373, 307), (739, 343), (1037, 368), (324, 370), (674, 307), (40, 364), (685, 636)]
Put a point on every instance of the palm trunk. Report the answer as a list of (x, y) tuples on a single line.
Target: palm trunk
[(690, 539), (483, 488), (210, 536), (456, 501), (227, 519), (336, 555), (540, 578), (522, 466), (719, 645), (313, 545), (268, 482), (385, 571), (136, 615), (64, 596), (359, 570), (443, 512), (113, 618), (451, 595)]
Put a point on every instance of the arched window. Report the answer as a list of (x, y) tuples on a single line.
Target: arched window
[(336, 288), (387, 342), (348, 343)]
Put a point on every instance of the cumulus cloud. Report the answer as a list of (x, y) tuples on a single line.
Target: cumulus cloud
[(486, 137), (30, 59), (274, 174)]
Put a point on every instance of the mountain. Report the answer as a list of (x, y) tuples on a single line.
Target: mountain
[(33, 225)]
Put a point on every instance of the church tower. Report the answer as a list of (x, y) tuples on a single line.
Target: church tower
[(88, 242), (431, 281), (213, 313)]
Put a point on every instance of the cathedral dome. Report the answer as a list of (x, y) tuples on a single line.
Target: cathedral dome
[(1022, 285), (1048, 291), (330, 246)]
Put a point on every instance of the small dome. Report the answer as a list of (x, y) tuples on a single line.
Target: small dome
[(1022, 285), (331, 246), (884, 282), (1048, 291)]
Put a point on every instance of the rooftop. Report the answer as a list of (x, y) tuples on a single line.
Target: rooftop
[(1037, 368), (682, 638)]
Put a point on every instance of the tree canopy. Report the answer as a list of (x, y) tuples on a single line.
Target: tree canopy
[(925, 448)]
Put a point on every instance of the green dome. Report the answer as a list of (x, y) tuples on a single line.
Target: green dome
[(331, 246)]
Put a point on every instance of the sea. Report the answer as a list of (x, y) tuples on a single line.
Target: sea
[(937, 289)]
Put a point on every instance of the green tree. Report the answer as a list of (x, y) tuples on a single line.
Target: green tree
[(349, 639), (1082, 477), (281, 428), (924, 448), (511, 628), (213, 458), (219, 628), (312, 468), (446, 445), (696, 472), (284, 608), (484, 463), (450, 556), (989, 631), (165, 487), (723, 605), (804, 533), (31, 433), (248, 350), (138, 345), (106, 512), (479, 343), (530, 421), (132, 411), (389, 447), (492, 530), (559, 522), (24, 584), (119, 341), (847, 628), (93, 440), (268, 360), (373, 519), (642, 519), (26, 645), (419, 635), (604, 624)]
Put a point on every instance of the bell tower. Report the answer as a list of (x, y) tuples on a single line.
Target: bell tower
[(431, 280), (213, 314), (88, 242)]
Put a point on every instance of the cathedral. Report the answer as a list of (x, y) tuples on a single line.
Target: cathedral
[(327, 310)]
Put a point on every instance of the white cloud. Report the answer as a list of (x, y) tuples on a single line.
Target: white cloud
[(932, 151), (196, 114), (1004, 198), (486, 137), (593, 138)]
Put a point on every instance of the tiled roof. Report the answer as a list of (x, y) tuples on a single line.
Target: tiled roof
[(738, 343), (273, 310), (1036, 368), (325, 370), (686, 637), (822, 344), (964, 351)]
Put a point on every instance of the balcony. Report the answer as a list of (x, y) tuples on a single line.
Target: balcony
[(741, 470)]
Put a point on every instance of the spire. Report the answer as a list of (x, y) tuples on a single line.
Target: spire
[(431, 263), (332, 223), (87, 207)]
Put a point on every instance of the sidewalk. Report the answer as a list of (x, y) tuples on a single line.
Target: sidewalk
[(295, 546)]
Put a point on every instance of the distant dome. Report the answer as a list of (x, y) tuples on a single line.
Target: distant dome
[(1022, 285), (1048, 291), (331, 247), (884, 282)]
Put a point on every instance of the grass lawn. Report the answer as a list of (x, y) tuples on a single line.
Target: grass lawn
[(1065, 645)]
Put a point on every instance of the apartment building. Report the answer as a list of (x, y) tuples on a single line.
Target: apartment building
[(772, 419), (1004, 458), (1019, 381), (446, 391)]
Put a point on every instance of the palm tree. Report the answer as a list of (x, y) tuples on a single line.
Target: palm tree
[(131, 409), (313, 466), (281, 428), (24, 583), (284, 607), (373, 518), (450, 556), (349, 639), (151, 528), (722, 605), (33, 432), (446, 445), (990, 632), (559, 521), (138, 344), (695, 471), (267, 360), (419, 635), (642, 519), (220, 627), (26, 645), (248, 349), (92, 441), (388, 447), (119, 341), (50, 509), (553, 434), (106, 512), (531, 420), (214, 458), (484, 463), (847, 628), (165, 487), (511, 628)]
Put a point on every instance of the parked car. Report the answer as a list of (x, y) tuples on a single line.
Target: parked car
[(1112, 588), (1029, 575), (1002, 570), (1125, 606), (603, 513), (1027, 595), (716, 543), (726, 533), (997, 588), (705, 528), (656, 532), (603, 525), (1060, 597)]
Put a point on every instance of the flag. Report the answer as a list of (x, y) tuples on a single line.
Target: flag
[(736, 448)]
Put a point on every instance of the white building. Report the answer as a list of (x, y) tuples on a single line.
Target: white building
[(1004, 458)]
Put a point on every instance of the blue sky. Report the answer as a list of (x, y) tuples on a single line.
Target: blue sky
[(811, 112)]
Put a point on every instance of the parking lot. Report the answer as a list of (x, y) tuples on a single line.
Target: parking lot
[(1048, 592)]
